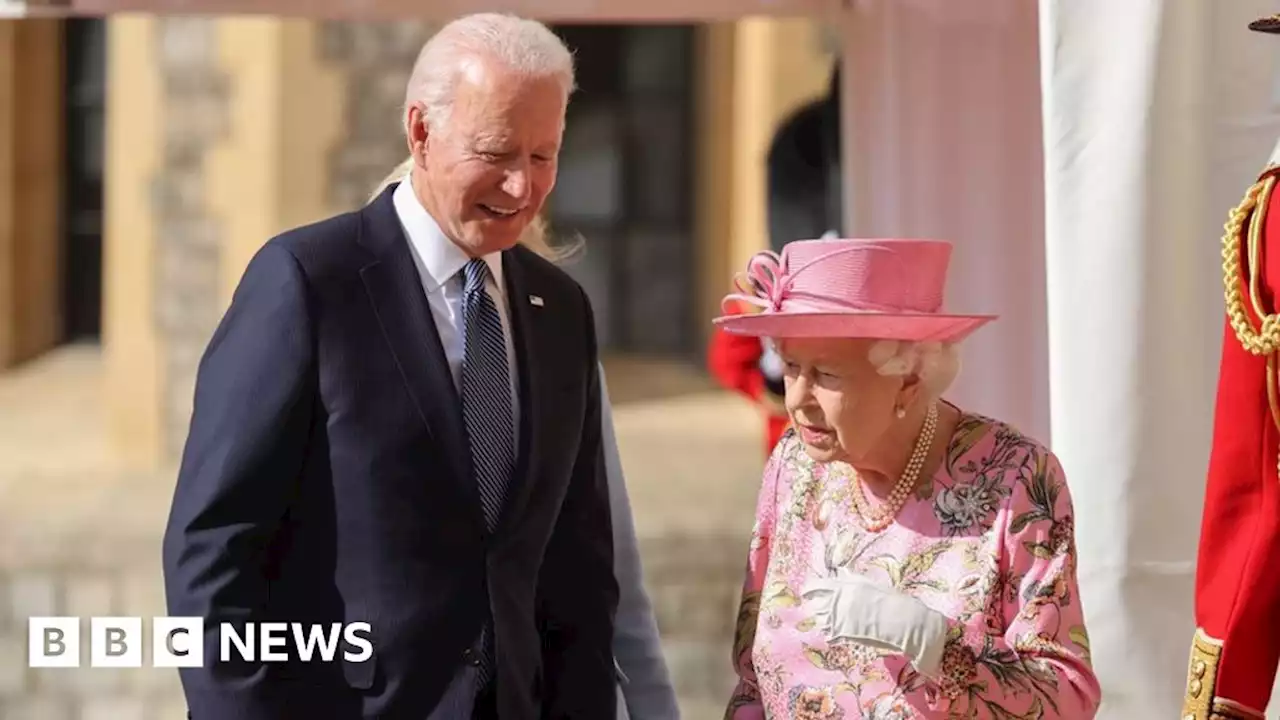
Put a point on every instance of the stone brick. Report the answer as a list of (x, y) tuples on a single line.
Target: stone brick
[(700, 670), (32, 595), (169, 708), (142, 594), (699, 707), (153, 681), (195, 102), (114, 708), (186, 42), (6, 616), (13, 664), (376, 59), (38, 708), (85, 681), (89, 596), (695, 583)]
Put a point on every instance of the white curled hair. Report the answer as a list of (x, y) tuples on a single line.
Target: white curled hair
[(936, 364), (525, 46)]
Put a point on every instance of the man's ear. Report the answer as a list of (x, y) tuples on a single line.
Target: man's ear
[(417, 131)]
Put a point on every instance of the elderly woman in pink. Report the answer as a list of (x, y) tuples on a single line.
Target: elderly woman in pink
[(910, 559)]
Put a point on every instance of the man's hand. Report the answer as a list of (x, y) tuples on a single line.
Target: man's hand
[(850, 606)]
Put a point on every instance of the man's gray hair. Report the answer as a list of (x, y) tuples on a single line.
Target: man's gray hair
[(936, 364), (523, 46)]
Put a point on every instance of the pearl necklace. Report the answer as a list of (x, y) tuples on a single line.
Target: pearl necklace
[(879, 519)]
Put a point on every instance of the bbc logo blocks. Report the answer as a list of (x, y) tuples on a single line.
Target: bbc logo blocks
[(177, 642), (54, 642)]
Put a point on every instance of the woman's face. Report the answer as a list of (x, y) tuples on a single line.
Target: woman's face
[(839, 404)]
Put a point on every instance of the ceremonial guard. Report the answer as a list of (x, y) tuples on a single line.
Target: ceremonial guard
[(1236, 647), (804, 202)]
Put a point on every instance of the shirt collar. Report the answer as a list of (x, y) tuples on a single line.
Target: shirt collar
[(438, 258)]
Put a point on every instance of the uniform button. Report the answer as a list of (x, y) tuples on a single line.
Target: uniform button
[(469, 656), (1198, 668), (1196, 688)]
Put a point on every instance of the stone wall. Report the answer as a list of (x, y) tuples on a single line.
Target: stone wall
[(695, 581), (376, 60), (105, 562), (195, 110), (80, 693)]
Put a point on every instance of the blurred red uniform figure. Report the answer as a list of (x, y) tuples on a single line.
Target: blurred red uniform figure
[(735, 361), (1236, 647), (804, 202)]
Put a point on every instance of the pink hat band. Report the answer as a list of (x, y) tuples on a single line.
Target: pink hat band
[(872, 276), (890, 289)]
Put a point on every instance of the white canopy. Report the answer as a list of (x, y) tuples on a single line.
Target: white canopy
[(1084, 162)]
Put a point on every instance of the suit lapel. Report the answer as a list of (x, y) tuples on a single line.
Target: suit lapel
[(527, 322), (400, 303)]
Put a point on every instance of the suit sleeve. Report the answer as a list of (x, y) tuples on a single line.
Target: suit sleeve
[(244, 450), (1237, 593), (637, 644), (577, 589)]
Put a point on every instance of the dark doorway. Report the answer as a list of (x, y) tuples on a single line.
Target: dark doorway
[(85, 63), (626, 184)]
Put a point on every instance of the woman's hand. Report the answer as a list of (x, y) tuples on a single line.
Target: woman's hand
[(850, 606)]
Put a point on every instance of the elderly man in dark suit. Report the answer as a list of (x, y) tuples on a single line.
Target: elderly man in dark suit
[(398, 422)]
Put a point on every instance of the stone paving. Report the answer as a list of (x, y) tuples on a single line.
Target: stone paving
[(80, 535)]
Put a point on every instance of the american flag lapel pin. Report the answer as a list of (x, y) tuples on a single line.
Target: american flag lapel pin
[(535, 300)]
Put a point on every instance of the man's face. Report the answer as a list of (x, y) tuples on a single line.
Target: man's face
[(485, 173)]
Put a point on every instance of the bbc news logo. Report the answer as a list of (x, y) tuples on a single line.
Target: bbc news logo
[(178, 642)]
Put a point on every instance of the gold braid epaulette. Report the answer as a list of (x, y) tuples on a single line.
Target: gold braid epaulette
[(1263, 340)]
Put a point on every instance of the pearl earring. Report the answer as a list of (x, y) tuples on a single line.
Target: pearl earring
[(901, 412)]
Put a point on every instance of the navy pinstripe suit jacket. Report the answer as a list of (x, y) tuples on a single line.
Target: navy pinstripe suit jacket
[(326, 479)]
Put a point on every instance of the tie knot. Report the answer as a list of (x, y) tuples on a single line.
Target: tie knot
[(475, 273)]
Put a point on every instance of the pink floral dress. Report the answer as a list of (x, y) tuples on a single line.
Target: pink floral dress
[(988, 541)]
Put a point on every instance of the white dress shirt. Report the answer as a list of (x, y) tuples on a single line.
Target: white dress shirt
[(440, 262)]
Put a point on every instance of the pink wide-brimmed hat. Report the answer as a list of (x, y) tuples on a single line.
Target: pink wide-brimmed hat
[(872, 289)]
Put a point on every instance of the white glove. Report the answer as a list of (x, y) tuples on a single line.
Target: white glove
[(849, 606)]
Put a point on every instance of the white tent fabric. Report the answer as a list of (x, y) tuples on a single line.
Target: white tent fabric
[(943, 140), (1083, 158), (1158, 116)]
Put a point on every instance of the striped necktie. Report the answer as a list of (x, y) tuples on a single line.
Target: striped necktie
[(486, 409)]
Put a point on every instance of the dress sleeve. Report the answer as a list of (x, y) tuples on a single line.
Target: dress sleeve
[(745, 703), (1040, 666)]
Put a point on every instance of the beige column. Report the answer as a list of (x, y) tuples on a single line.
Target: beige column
[(754, 73), (31, 123), (217, 139), (271, 172), (134, 142), (714, 219)]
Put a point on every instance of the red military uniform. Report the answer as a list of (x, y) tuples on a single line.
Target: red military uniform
[(734, 361), (1236, 648)]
